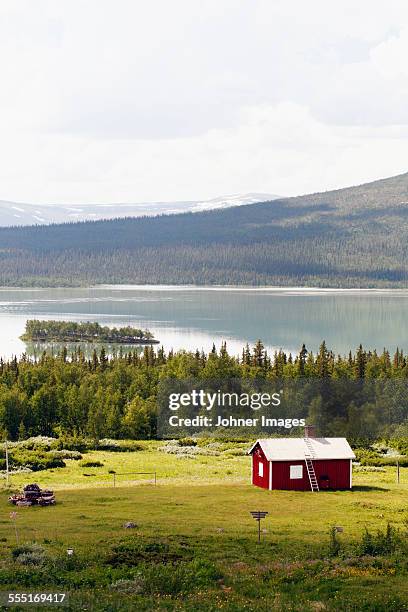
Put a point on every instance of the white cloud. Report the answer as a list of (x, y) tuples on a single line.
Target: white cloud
[(389, 56), (126, 100)]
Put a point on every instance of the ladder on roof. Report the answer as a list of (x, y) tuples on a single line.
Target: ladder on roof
[(309, 456)]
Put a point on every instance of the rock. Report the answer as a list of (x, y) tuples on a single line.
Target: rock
[(130, 525)]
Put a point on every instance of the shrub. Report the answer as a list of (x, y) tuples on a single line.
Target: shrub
[(93, 464), (380, 543), (72, 443), (401, 443), (334, 545), (31, 558), (35, 460), (187, 442), (67, 454), (38, 443), (120, 446), (29, 554), (371, 458), (174, 449), (382, 461)]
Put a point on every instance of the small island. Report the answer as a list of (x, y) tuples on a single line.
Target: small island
[(70, 331)]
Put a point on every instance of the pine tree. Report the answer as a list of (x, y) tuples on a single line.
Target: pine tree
[(302, 360), (360, 363), (258, 356)]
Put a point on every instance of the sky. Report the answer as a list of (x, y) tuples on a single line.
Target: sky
[(130, 101)]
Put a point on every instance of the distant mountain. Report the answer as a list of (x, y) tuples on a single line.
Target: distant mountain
[(12, 213), (352, 237)]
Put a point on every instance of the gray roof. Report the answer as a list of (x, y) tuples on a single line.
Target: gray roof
[(294, 449)]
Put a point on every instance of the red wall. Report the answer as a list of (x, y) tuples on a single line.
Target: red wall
[(338, 471), (257, 458)]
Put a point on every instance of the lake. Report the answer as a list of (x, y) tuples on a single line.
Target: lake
[(195, 317)]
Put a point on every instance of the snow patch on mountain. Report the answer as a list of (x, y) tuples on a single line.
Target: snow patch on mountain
[(12, 213)]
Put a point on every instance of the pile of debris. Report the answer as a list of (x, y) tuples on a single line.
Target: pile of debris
[(32, 495)]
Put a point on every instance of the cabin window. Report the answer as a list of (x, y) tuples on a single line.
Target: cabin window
[(296, 472), (260, 469)]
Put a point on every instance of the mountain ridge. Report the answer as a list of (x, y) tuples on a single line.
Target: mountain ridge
[(16, 214), (351, 237)]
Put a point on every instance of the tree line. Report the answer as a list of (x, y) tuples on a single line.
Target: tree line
[(117, 396)]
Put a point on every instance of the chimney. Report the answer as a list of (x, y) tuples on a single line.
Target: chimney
[(310, 431)]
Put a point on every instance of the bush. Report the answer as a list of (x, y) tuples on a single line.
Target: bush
[(29, 554), (120, 446), (72, 443), (38, 443), (388, 461), (372, 458), (401, 444), (380, 543), (67, 454), (334, 545), (91, 464), (35, 460), (184, 451), (187, 442)]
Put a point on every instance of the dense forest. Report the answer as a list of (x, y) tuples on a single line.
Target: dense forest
[(88, 331), (117, 396), (353, 237)]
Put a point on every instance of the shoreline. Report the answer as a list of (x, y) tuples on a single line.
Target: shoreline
[(277, 289)]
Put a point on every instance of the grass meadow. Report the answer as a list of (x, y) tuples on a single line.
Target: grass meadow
[(194, 545)]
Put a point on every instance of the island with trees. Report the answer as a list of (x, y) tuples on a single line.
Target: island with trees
[(88, 331)]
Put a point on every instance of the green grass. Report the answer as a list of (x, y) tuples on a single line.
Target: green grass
[(200, 469), (195, 546)]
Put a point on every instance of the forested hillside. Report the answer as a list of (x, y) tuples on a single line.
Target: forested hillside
[(351, 237)]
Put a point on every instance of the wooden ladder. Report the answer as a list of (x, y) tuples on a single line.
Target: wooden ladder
[(309, 456)]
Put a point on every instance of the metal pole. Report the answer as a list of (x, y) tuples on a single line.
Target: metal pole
[(259, 530), (7, 466), (114, 479), (398, 472), (155, 479)]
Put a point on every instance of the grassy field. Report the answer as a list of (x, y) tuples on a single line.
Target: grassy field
[(195, 544)]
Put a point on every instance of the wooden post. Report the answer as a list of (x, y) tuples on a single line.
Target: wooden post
[(398, 472), (114, 479), (13, 516), (7, 465)]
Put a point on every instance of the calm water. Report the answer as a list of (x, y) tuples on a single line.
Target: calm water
[(182, 317)]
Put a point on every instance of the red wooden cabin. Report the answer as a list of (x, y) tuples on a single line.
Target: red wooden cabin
[(302, 464)]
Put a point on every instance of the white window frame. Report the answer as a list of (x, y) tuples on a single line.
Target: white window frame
[(296, 472), (260, 469)]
